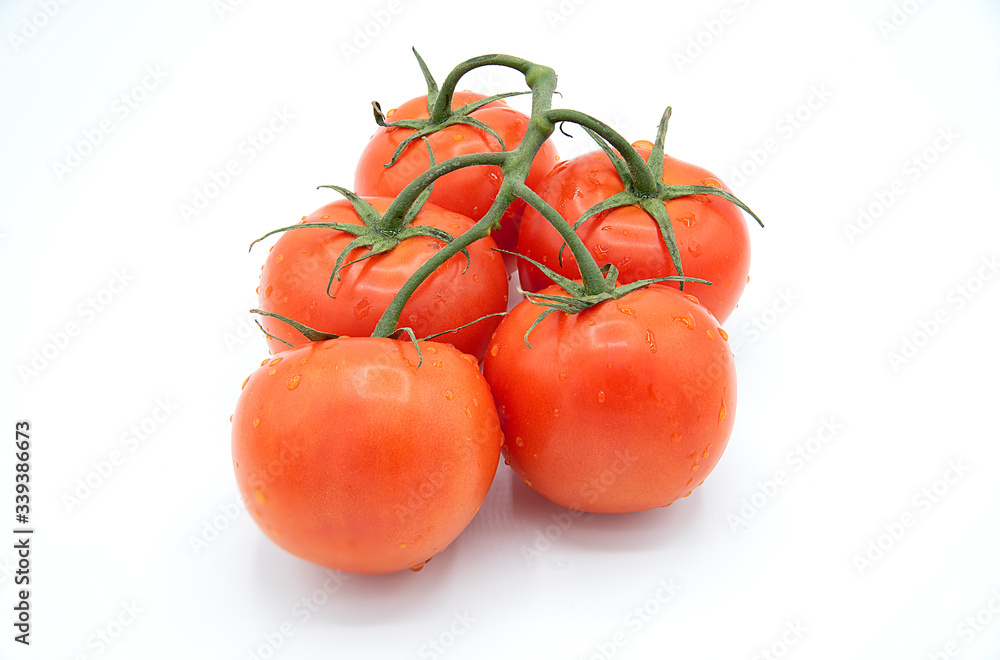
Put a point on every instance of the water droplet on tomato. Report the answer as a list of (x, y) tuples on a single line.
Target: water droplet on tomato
[(601, 396), (471, 359), (245, 382), (654, 395), (457, 138), (279, 258), (694, 468), (267, 291), (324, 217), (263, 363), (600, 252), (692, 298), (694, 249), (555, 413), (710, 335), (258, 290), (606, 228), (687, 320), (475, 278), (643, 144), (722, 411), (362, 308), (651, 341), (272, 372), (527, 482), (686, 219), (293, 382), (448, 394), (704, 454), (402, 546), (437, 363), (724, 334), (495, 350), (712, 183), (519, 441), (562, 376), (625, 309), (675, 437), (275, 361), (259, 496), (468, 413), (416, 568)]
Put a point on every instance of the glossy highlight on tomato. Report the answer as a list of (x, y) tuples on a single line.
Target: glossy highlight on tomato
[(350, 456)]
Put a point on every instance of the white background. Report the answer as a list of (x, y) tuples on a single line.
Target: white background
[(809, 110)]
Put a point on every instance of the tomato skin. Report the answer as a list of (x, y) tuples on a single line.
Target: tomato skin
[(349, 456), (711, 233), (623, 407), (294, 279), (469, 191)]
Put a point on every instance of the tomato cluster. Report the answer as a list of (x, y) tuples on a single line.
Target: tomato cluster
[(369, 440)]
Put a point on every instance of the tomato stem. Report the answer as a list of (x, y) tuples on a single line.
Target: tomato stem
[(394, 217), (515, 166), (644, 184), (442, 104)]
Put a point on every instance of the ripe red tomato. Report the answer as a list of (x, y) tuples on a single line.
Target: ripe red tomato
[(469, 191), (294, 281), (350, 456), (625, 406), (711, 232)]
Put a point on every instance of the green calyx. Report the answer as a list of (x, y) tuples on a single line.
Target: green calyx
[(439, 116), (377, 233), (643, 182), (578, 298), (317, 335)]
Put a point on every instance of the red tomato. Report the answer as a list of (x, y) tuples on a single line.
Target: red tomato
[(623, 407), (294, 281), (469, 191), (350, 456), (711, 232)]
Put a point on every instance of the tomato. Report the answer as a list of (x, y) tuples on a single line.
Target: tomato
[(711, 232), (350, 456), (469, 191), (625, 406), (294, 281)]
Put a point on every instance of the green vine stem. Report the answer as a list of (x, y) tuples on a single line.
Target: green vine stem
[(514, 165), (643, 181)]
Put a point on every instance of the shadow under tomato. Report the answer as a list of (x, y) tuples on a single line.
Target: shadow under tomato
[(608, 532), (313, 591)]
